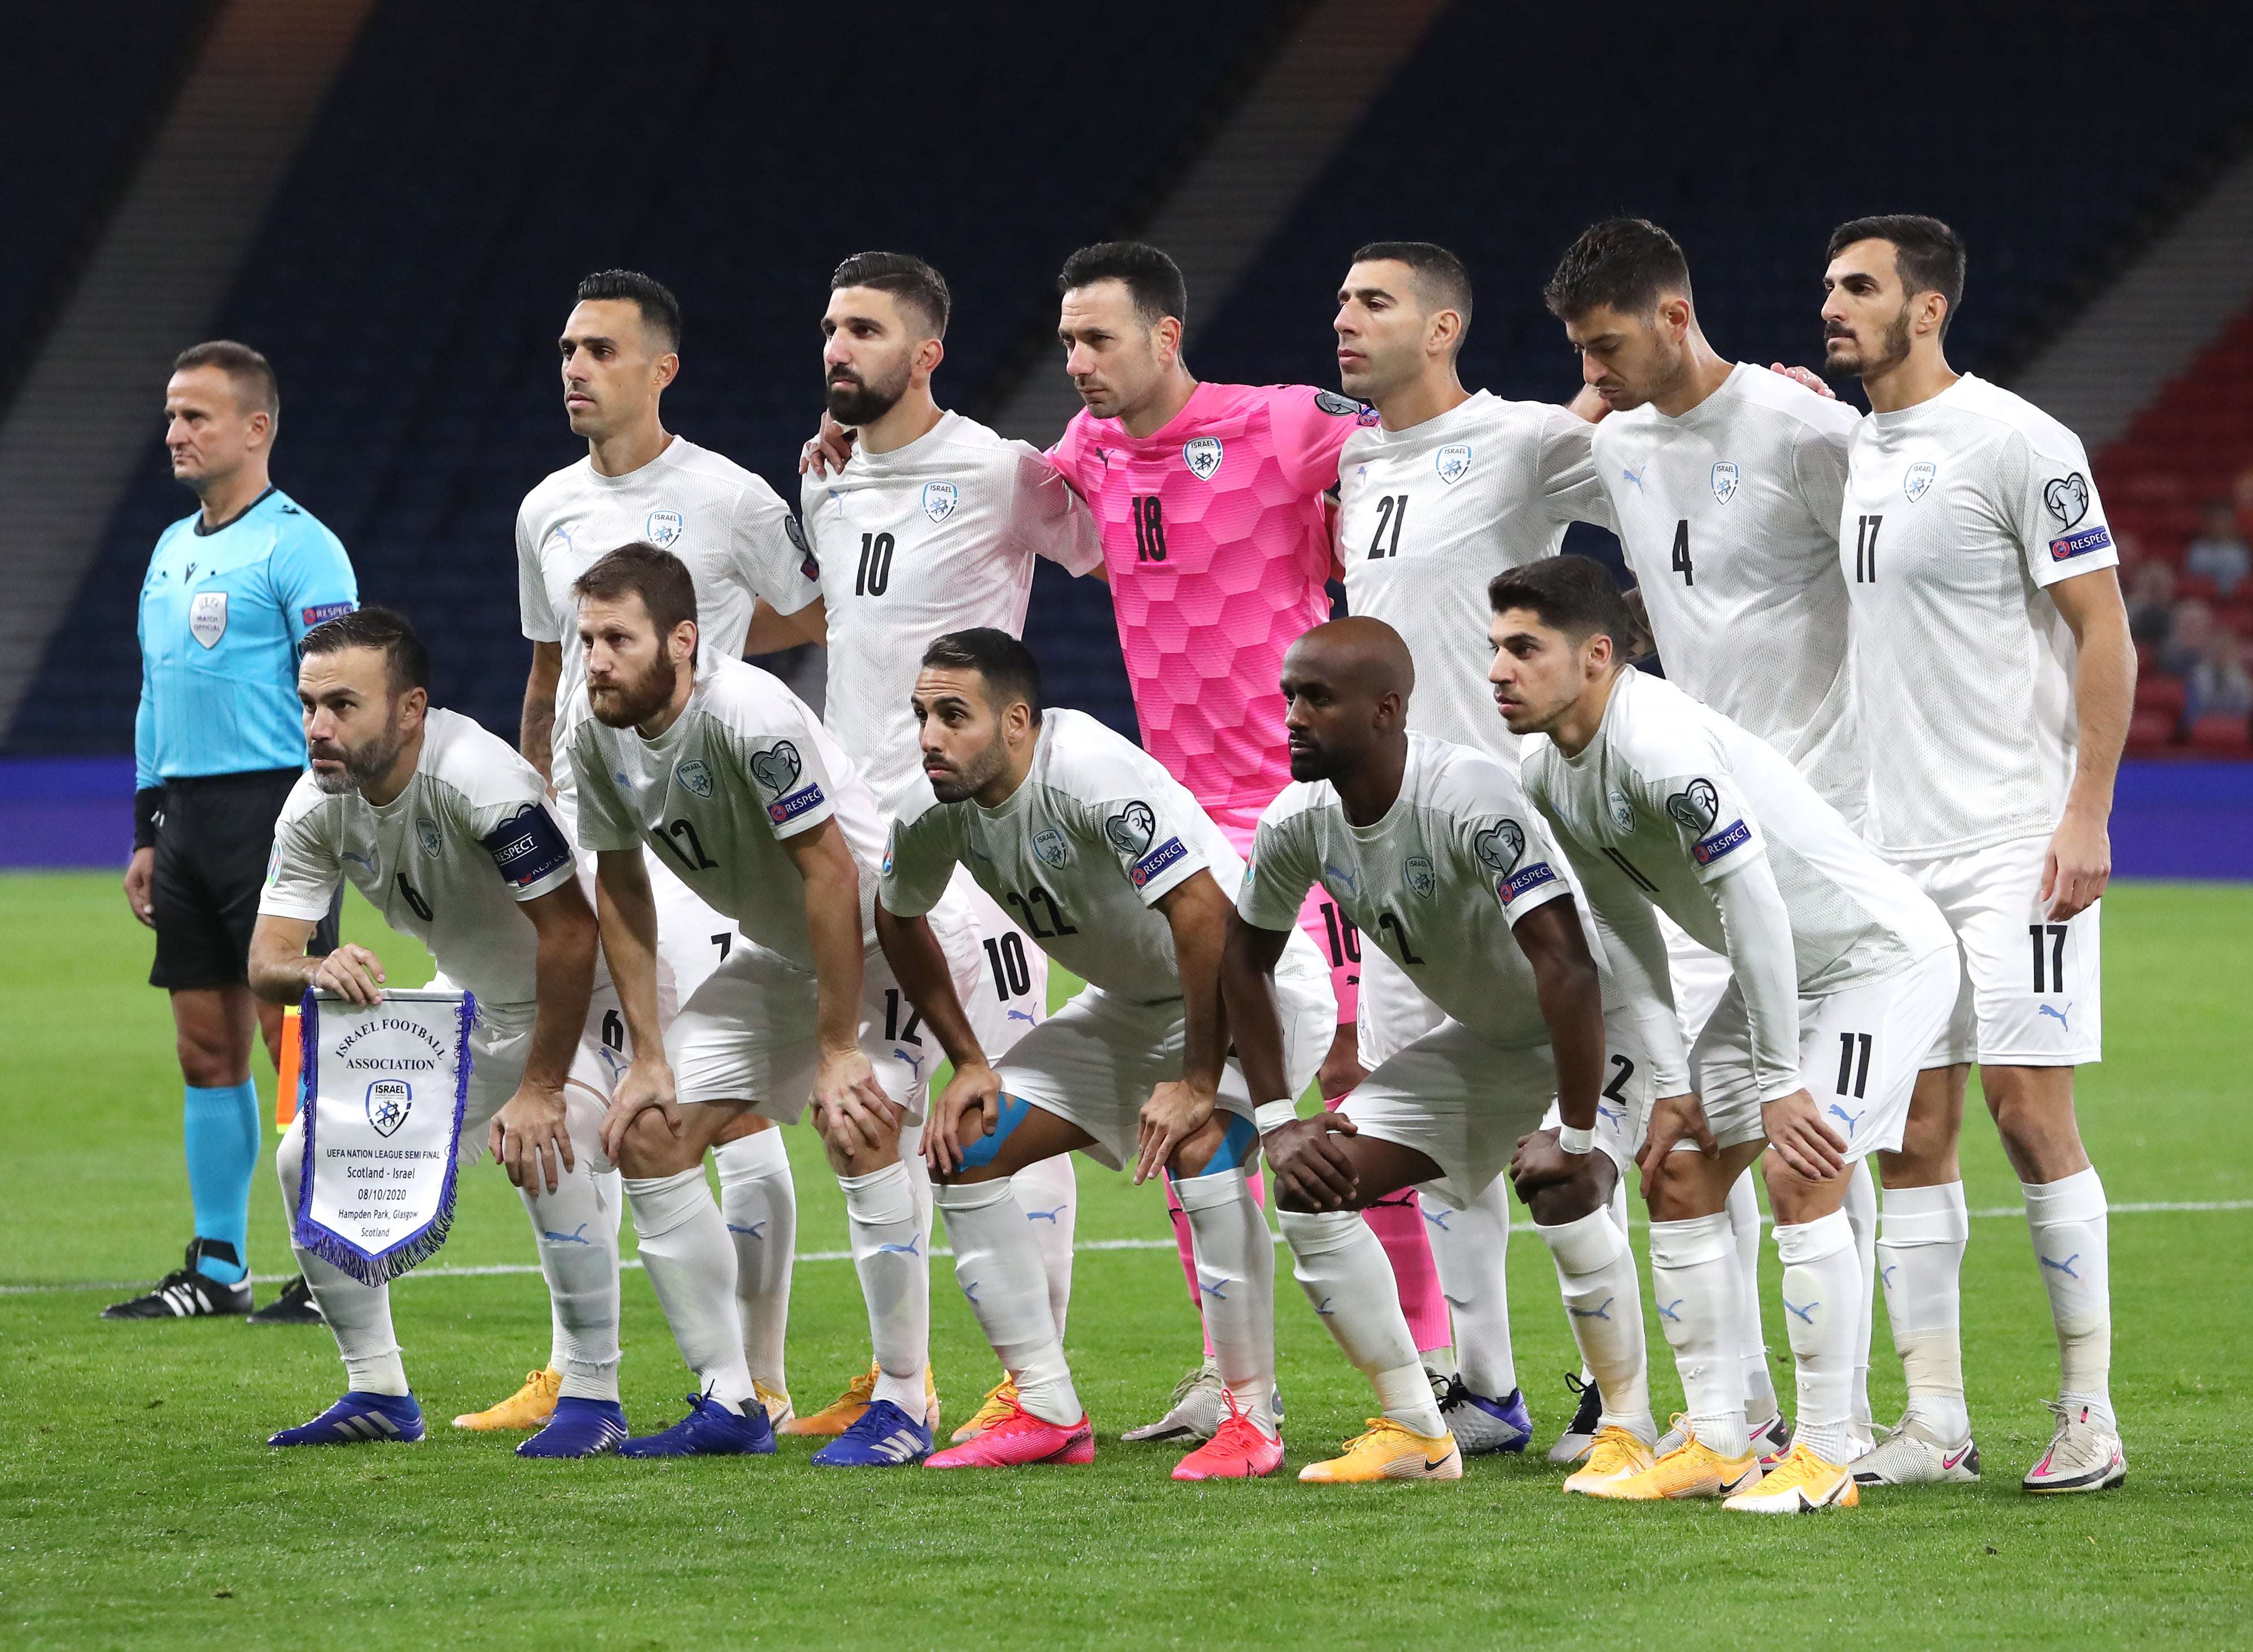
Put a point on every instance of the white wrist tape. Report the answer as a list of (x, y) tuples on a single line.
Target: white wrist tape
[(1273, 1115), (1574, 1141)]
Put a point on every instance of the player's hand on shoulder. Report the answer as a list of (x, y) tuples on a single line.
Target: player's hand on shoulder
[(1797, 1134), (968, 1110), (1672, 1118), (828, 450), (1806, 377), (2076, 866), (352, 973), (647, 1087), (1175, 1112), (140, 883), (853, 1110), (528, 1140), (1309, 1165)]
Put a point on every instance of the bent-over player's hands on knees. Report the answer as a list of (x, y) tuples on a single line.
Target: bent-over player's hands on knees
[(1309, 1166), (647, 1087), (352, 973), (1175, 1112), (852, 1109), (2076, 866), (527, 1138), (1796, 1131), (1672, 1118), (140, 886), (968, 1110), (1539, 1162)]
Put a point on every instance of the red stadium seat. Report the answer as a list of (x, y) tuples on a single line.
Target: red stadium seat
[(2222, 734), (2148, 733), (2165, 696)]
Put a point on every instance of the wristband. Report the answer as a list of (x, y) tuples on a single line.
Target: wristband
[(1273, 1115), (1574, 1141), (148, 813)]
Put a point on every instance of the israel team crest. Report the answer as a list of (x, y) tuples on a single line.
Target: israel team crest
[(207, 617), (1918, 482), (1725, 477), (389, 1101), (426, 834), (1048, 844), (1421, 878), (940, 499), (1453, 462), (1622, 815), (663, 528), (1202, 455), (693, 774)]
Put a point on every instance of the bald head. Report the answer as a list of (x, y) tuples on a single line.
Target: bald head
[(1347, 683)]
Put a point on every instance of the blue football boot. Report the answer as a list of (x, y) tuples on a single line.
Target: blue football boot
[(579, 1428), (885, 1436), (709, 1429), (358, 1418), (1480, 1425)]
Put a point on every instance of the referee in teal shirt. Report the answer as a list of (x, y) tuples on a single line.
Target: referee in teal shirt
[(217, 743)]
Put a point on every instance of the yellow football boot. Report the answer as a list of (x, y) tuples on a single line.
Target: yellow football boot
[(1799, 1485), (1691, 1469), (845, 1411), (1613, 1456), (777, 1401), (1000, 1400), (529, 1407), (1389, 1450)]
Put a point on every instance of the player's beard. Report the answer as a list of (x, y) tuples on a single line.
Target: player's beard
[(626, 705), (853, 400), (362, 764), (969, 778), (1893, 350)]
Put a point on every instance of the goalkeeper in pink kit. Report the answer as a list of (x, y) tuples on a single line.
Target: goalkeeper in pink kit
[(1216, 545)]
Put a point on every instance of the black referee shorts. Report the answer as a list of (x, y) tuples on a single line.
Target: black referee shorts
[(212, 850)]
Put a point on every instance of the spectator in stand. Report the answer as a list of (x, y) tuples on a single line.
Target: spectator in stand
[(2152, 602), (2219, 685), (2220, 553), (2187, 639)]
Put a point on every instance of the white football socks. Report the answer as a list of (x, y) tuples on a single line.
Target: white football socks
[(1470, 1247), (683, 1244), (1236, 1286), (1596, 1270), (998, 1265), (1822, 1288), (1695, 1281), (895, 1268), (758, 1201), (1919, 1258), (1345, 1273), (2073, 1249), (359, 1315), (1049, 1193), (1861, 1208), (576, 1227), (1752, 1340)]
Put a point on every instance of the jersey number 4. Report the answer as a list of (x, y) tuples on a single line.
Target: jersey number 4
[(1680, 564)]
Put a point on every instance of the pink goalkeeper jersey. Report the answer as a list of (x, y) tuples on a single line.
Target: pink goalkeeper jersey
[(1217, 545)]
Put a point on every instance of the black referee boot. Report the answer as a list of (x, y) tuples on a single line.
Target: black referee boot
[(294, 1307), (188, 1295)]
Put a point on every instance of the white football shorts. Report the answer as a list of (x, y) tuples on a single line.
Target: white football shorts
[(1001, 978), (2032, 993)]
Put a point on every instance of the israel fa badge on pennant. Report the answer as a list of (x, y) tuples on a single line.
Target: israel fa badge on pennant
[(1724, 477), (389, 1101), (1453, 462), (940, 499), (1918, 482), (1202, 455)]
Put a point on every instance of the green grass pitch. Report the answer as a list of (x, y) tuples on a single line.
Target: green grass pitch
[(139, 1505)]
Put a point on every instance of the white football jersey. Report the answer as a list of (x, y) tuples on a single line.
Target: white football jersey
[(1959, 513), (1428, 515), (739, 541), (934, 537), (1079, 856), (1670, 796), (446, 862), (745, 767), (1437, 883), (1729, 519)]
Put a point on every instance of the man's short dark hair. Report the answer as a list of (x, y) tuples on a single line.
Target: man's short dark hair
[(1575, 595), (1153, 279), (913, 284), (661, 311), (1629, 263), (406, 662), (1442, 281), (660, 578), (1008, 665), (1928, 255), (251, 374)]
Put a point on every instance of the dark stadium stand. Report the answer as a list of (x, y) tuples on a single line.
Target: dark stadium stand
[(82, 85), (474, 162)]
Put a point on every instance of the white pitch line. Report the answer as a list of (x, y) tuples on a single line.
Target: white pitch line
[(440, 1271)]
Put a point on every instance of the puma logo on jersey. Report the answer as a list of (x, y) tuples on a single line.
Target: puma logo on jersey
[(2061, 1014)]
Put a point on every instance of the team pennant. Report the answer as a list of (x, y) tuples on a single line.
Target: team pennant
[(381, 1087)]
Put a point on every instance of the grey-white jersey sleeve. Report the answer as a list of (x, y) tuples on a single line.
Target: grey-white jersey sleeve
[(605, 823), (302, 870), (770, 551), (919, 859), (1571, 490), (1050, 519), (1281, 870)]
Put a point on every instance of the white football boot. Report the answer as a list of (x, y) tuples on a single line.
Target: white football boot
[(2082, 1454)]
